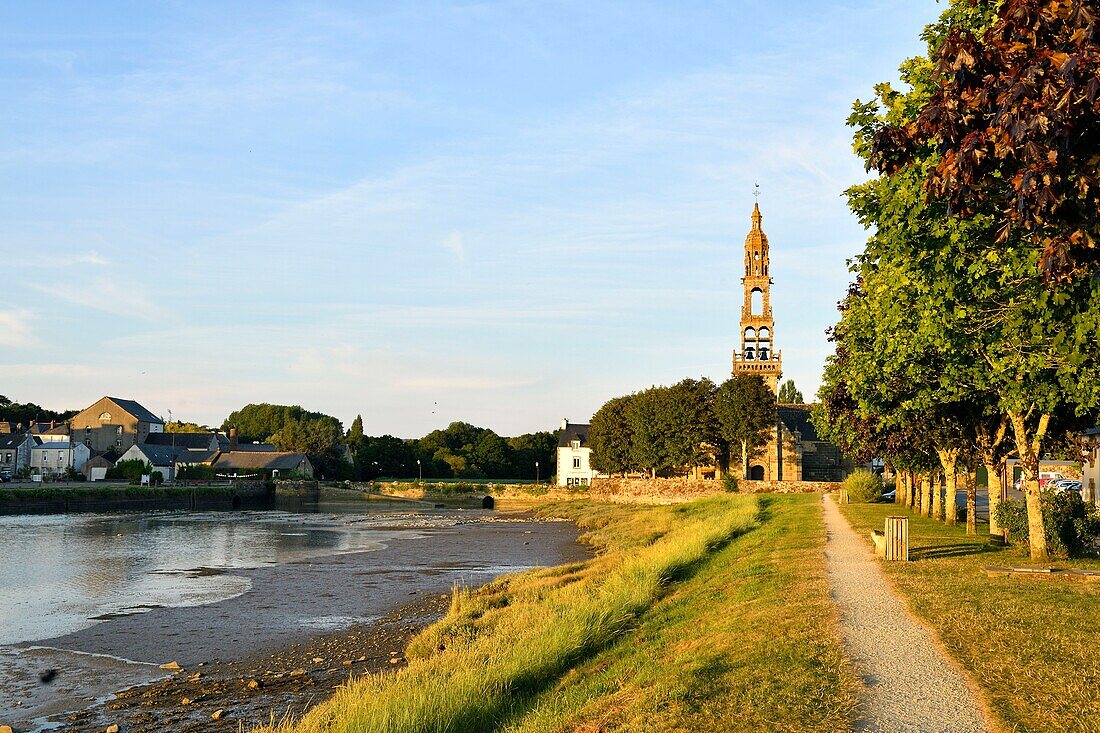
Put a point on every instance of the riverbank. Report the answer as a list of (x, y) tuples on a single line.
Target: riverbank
[(115, 497), (711, 615), (339, 569)]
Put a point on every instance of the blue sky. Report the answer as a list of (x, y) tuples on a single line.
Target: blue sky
[(501, 212)]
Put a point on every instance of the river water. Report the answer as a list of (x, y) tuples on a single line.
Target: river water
[(106, 598)]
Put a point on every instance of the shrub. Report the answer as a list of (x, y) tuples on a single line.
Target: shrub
[(1071, 527), (729, 483), (863, 487)]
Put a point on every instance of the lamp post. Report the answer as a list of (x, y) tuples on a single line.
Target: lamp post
[(420, 469), (536, 473)]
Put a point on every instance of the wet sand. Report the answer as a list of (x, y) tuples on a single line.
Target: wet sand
[(300, 631)]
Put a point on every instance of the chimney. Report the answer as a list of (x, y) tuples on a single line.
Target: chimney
[(564, 423), (233, 438)]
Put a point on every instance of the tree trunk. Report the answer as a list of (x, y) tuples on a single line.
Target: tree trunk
[(937, 498), (911, 486), (993, 470), (971, 503), (947, 510), (926, 494), (744, 460), (1028, 447)]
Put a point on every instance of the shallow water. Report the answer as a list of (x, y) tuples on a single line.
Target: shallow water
[(62, 573)]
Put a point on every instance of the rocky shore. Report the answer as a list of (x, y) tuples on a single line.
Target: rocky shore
[(253, 690)]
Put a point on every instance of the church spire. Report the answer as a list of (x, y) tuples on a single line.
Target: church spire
[(758, 354)]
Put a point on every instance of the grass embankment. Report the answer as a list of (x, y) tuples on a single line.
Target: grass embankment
[(1029, 643), (711, 615), (112, 491)]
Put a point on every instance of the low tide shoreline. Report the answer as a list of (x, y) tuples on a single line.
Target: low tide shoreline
[(301, 629)]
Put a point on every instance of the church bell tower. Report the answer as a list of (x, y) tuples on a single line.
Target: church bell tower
[(758, 354)]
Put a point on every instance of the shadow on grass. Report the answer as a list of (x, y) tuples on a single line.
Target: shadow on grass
[(932, 552)]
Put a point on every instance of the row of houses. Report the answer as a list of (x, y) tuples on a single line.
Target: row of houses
[(115, 429)]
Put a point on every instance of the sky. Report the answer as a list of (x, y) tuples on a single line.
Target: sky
[(498, 212)]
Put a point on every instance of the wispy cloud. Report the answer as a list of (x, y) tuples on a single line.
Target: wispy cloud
[(455, 244), (109, 296), (15, 329), (63, 259)]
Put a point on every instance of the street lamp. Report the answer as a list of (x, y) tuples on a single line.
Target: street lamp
[(420, 468), (536, 473)]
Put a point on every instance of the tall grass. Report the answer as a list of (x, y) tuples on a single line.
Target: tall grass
[(494, 651)]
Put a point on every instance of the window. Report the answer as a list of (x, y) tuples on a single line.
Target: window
[(7, 458), (119, 430), (576, 463), (60, 456), (105, 417), (576, 444)]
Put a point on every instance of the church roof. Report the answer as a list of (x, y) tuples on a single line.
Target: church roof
[(797, 418)]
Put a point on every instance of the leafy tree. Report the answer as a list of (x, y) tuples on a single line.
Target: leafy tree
[(746, 415), (789, 394), (610, 437), (528, 448), (1015, 116), (648, 419), (177, 426), (385, 456), (355, 432), (261, 421), (29, 412)]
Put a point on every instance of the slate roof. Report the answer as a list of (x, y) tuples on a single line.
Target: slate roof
[(1093, 431), (136, 410), (242, 447), (159, 455), (191, 441), (191, 455), (797, 418), (11, 442), (261, 461), (573, 431)]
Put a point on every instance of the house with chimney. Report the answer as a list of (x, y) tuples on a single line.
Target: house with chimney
[(15, 452)]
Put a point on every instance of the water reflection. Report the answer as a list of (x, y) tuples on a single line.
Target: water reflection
[(60, 572)]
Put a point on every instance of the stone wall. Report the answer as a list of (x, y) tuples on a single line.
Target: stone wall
[(677, 490)]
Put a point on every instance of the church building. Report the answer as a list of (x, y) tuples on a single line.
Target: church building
[(795, 452)]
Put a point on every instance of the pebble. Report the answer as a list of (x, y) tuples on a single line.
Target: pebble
[(347, 662), (5, 729), (194, 677), (317, 660), (112, 728), (254, 684), (171, 665), (298, 673), (217, 714), (185, 701), (396, 660)]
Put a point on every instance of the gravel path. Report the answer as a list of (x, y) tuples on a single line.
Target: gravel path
[(909, 684)]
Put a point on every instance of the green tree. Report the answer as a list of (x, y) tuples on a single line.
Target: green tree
[(610, 437), (355, 432), (177, 426), (789, 394), (746, 416)]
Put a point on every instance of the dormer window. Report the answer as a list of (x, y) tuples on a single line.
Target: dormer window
[(575, 444)]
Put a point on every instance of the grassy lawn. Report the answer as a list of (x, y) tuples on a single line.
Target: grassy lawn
[(1030, 644), (710, 616)]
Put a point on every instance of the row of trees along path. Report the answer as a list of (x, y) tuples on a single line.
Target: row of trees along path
[(970, 333)]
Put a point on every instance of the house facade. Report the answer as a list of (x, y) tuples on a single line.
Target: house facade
[(15, 452), (113, 424), (54, 457), (574, 464), (163, 458)]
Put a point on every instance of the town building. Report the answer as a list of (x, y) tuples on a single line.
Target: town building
[(96, 468), (163, 458), (1090, 467), (55, 457), (574, 466), (267, 463), (113, 424), (15, 452)]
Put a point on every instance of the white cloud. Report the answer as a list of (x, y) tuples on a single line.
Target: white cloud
[(108, 296), (15, 329), (455, 245)]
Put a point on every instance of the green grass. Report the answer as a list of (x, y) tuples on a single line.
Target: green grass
[(1031, 644), (110, 492), (711, 615)]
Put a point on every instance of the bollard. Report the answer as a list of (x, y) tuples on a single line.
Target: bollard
[(897, 539)]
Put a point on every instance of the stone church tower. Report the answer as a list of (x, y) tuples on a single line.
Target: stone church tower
[(758, 355)]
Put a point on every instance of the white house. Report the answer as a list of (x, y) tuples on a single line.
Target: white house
[(162, 458), (54, 457), (574, 455)]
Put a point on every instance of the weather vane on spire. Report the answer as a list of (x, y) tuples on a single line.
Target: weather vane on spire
[(756, 192)]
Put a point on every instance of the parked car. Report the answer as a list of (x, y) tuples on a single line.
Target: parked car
[(5, 478), (1066, 485)]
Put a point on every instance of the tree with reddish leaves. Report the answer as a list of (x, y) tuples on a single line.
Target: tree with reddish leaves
[(1015, 121)]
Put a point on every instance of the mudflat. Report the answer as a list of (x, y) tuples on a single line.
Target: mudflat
[(257, 653)]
